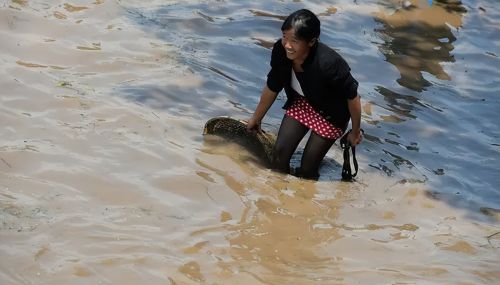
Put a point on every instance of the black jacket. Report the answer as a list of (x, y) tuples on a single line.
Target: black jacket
[(326, 81)]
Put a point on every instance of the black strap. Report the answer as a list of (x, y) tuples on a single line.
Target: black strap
[(347, 174)]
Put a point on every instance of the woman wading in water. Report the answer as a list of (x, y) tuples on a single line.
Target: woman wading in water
[(321, 95)]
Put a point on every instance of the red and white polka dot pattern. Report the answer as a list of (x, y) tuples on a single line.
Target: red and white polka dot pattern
[(303, 112)]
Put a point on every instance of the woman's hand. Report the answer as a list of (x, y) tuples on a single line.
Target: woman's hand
[(253, 125), (354, 137)]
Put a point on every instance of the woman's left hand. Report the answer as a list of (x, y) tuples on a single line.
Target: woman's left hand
[(354, 138)]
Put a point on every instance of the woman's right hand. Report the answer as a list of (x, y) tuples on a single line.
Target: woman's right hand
[(253, 125), (266, 100)]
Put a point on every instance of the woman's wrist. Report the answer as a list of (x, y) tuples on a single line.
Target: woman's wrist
[(255, 119), (356, 131)]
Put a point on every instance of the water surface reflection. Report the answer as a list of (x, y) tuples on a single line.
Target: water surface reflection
[(408, 119), (419, 39), (95, 189)]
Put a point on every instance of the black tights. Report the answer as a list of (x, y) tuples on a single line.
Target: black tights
[(289, 136)]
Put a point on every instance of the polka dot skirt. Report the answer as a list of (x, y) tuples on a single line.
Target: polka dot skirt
[(303, 112)]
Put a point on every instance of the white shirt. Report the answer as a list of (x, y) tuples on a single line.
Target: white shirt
[(296, 84)]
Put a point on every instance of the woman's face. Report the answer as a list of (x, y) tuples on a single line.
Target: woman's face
[(296, 49)]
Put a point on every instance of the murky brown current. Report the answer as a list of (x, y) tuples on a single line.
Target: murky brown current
[(105, 177)]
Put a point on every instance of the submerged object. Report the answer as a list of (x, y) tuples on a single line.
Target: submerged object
[(259, 143)]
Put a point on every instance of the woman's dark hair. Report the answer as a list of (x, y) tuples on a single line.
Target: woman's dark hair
[(305, 24)]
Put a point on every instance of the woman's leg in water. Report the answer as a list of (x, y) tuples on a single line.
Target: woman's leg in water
[(314, 152), (289, 136)]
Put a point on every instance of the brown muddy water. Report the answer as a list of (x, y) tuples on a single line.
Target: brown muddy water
[(105, 177)]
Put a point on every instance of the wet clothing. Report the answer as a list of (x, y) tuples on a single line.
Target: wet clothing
[(326, 82)]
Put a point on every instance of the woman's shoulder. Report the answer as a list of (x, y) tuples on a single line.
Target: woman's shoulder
[(329, 59), (328, 54)]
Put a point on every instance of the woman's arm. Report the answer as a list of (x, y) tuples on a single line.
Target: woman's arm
[(354, 106), (266, 100)]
